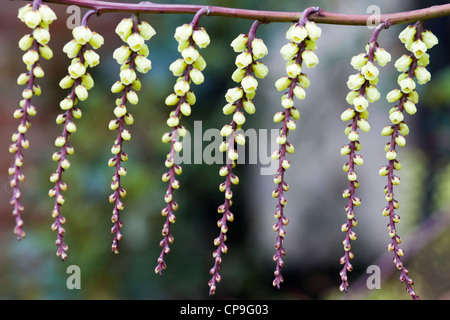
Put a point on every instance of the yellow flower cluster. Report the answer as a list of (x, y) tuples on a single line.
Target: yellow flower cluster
[(35, 46), (298, 52), (188, 69), (79, 81), (132, 56), (413, 65)]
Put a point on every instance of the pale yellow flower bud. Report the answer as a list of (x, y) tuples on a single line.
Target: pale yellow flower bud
[(310, 58), (249, 107), (181, 88), (418, 47), (407, 85), (26, 42), (196, 76), (293, 69), (76, 70), (259, 49), (32, 19), (403, 63), (260, 70), (289, 51), (143, 65), (249, 84), (239, 118), (185, 109), (429, 39), (382, 56), (422, 75), (359, 61), (47, 14), (190, 54), (314, 31), (82, 34), (299, 92), (410, 107), (372, 93), (46, 52), (30, 57), (238, 75), (243, 60), (146, 30), (201, 38), (81, 92), (360, 103), (234, 94), (41, 35), (355, 81), (124, 28), (91, 58), (407, 35), (283, 83), (396, 117), (239, 44), (127, 76), (132, 97), (297, 34), (72, 48), (97, 40), (369, 71), (348, 114), (177, 67), (135, 41), (183, 33)]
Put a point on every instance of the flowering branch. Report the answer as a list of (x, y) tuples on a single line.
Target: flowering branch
[(417, 41), (321, 16), (238, 99), (187, 69), (80, 82), (132, 57), (38, 18), (363, 90), (302, 36)]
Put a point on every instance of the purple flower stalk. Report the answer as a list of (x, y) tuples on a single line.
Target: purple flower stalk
[(37, 17), (412, 66), (239, 99), (79, 81), (363, 91), (298, 52), (187, 69), (132, 57)]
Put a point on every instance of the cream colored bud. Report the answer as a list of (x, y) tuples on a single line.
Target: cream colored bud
[(355, 81), (293, 70), (76, 70), (239, 118), (391, 155), (146, 30), (240, 139), (363, 124), (125, 134), (418, 47), (120, 111), (243, 60), (422, 75), (382, 56), (132, 97), (259, 49), (201, 38), (396, 117), (249, 84), (278, 117), (249, 107), (234, 94), (310, 58), (127, 76), (143, 65), (172, 99), (410, 107), (289, 51), (183, 33), (181, 88), (185, 109), (402, 64), (135, 41), (360, 103), (314, 31), (97, 40), (81, 92), (394, 95), (82, 34), (387, 131), (30, 57), (117, 87), (190, 55), (283, 83), (429, 39), (41, 35), (260, 70), (407, 85), (196, 76), (47, 14), (372, 93), (238, 75), (370, 71), (407, 35), (173, 121), (297, 33), (239, 44), (287, 103), (122, 54), (32, 18), (359, 61), (91, 58), (124, 28)]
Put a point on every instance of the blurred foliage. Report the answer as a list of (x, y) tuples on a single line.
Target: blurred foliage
[(29, 268)]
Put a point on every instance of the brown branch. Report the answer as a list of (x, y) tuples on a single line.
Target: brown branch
[(321, 16)]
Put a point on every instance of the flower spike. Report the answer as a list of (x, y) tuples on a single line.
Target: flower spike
[(417, 41), (79, 81), (37, 17), (188, 70), (298, 52), (239, 101), (132, 56), (363, 91)]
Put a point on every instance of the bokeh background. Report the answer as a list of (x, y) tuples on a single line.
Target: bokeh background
[(29, 269)]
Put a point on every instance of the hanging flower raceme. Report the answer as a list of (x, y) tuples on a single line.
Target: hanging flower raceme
[(37, 17), (132, 56), (412, 66), (239, 101), (79, 81), (188, 69), (299, 52), (363, 91)]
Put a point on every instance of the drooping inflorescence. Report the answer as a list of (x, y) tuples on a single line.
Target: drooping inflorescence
[(298, 52), (413, 65), (363, 91), (37, 17), (188, 69), (79, 81), (132, 57), (239, 100)]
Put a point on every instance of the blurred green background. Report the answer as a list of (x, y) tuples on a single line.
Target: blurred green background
[(29, 269)]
